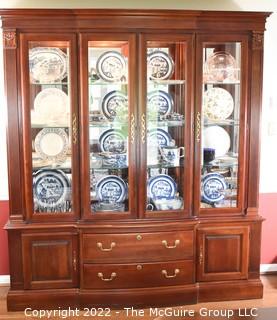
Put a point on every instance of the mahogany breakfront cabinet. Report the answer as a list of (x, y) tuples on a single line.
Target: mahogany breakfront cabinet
[(133, 151)]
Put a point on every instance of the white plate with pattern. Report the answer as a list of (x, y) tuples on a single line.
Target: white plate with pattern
[(217, 138), (218, 104)]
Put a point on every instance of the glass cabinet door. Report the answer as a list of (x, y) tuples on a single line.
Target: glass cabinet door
[(109, 125), (220, 125), (165, 125), (50, 126)]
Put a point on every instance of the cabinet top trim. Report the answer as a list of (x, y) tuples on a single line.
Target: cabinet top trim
[(145, 19)]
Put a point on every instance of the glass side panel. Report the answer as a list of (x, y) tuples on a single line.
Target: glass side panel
[(221, 125), (49, 76), (165, 122), (108, 125)]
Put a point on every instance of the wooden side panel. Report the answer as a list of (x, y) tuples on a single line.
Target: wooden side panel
[(223, 253), (49, 261), (13, 131)]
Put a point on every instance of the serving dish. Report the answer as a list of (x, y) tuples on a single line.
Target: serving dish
[(52, 144), (161, 186), (218, 104), (113, 141), (47, 65), (111, 189), (160, 65), (213, 187), (111, 66), (50, 188)]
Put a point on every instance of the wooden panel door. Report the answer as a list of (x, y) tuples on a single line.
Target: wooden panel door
[(222, 253), (50, 260)]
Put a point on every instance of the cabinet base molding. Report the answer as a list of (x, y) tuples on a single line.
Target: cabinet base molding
[(230, 290), (18, 300)]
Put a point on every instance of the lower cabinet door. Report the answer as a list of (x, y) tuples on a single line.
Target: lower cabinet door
[(50, 260), (222, 253)]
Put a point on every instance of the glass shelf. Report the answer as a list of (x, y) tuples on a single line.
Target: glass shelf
[(163, 165), (106, 167), (49, 84), (166, 82), (54, 125), (105, 83), (227, 122), (166, 123), (99, 124), (220, 165), (222, 83)]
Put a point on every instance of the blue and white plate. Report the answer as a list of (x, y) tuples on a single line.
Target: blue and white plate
[(113, 101), (213, 187), (111, 189), (159, 136), (50, 188), (111, 66), (160, 65), (161, 186), (113, 141), (161, 101)]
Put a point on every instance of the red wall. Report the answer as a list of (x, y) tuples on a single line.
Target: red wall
[(4, 212), (268, 209)]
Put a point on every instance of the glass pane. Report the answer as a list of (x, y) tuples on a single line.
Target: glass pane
[(221, 124), (50, 126), (165, 116), (108, 125)]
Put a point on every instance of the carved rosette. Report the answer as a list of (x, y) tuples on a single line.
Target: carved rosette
[(9, 39), (257, 40)]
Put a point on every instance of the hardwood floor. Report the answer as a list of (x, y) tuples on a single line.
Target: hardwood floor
[(267, 308)]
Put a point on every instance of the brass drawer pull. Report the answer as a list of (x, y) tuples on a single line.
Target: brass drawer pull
[(100, 275), (74, 261), (100, 246), (164, 242), (176, 271)]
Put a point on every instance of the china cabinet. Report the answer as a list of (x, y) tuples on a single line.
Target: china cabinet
[(133, 147)]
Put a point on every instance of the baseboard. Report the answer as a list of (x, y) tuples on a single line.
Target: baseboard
[(5, 280), (268, 268)]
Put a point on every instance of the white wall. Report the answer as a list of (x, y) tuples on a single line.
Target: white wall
[(269, 124)]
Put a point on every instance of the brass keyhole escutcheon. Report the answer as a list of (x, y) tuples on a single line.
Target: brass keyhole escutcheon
[(139, 237)]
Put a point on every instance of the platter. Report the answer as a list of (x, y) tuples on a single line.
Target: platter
[(113, 101), (161, 101), (213, 187), (50, 188), (111, 66), (160, 65), (218, 104), (47, 65), (52, 144), (215, 137), (111, 189), (159, 136), (113, 141), (51, 104), (161, 186)]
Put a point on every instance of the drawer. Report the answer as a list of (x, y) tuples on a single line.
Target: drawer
[(133, 247), (97, 276)]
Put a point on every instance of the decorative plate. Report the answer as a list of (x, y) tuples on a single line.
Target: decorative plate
[(47, 65), (111, 189), (111, 66), (113, 141), (161, 101), (52, 144), (161, 186), (218, 104), (114, 100), (221, 67), (50, 188), (160, 65), (213, 187), (159, 136), (217, 138), (51, 104)]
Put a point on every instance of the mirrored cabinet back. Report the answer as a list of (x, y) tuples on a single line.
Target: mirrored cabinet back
[(133, 151)]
